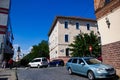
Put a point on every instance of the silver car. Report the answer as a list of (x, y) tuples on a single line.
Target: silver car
[(90, 67), (38, 62)]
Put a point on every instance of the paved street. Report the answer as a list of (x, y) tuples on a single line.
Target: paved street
[(52, 73)]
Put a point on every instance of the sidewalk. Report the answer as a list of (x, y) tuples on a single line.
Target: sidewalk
[(7, 74)]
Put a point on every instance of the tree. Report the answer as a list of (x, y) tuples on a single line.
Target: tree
[(40, 50), (81, 44)]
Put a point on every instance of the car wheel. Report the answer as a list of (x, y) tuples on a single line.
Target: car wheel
[(57, 65), (48, 65), (70, 71), (38, 66), (29, 66), (90, 75)]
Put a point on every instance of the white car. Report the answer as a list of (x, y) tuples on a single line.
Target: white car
[(38, 62)]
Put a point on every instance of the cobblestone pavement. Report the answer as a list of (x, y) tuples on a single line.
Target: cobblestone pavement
[(7, 74), (50, 73)]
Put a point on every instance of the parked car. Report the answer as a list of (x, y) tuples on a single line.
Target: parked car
[(90, 67), (39, 62), (56, 62), (100, 58)]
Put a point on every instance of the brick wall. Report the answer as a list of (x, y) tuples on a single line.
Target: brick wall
[(111, 54)]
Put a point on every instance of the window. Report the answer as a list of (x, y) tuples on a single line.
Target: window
[(69, 60), (77, 25), (88, 26), (44, 59), (74, 61), (66, 38), (67, 51), (107, 1), (36, 60), (99, 39), (66, 24), (80, 61)]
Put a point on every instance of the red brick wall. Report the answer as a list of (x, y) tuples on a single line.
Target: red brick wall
[(111, 54)]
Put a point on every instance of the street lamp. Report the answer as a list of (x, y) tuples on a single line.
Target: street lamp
[(90, 49), (107, 22)]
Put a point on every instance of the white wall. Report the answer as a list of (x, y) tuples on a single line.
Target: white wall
[(3, 19), (53, 42), (112, 34), (4, 3)]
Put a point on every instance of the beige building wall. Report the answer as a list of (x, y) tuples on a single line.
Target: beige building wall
[(57, 44), (53, 42), (110, 35)]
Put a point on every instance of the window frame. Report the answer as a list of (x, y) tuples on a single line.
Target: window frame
[(77, 25), (107, 2), (66, 38), (66, 24), (88, 26)]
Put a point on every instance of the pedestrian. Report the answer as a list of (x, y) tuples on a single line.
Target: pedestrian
[(4, 64), (10, 62)]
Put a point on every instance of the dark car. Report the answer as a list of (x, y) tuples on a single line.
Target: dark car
[(100, 58), (56, 63)]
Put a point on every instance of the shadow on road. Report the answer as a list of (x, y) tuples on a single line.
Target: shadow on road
[(114, 78), (3, 78)]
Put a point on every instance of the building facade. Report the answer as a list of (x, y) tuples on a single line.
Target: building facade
[(108, 18), (6, 36), (63, 31)]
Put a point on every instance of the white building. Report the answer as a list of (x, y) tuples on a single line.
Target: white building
[(63, 31), (6, 36), (108, 18)]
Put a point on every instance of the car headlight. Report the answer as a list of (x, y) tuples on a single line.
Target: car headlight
[(100, 70)]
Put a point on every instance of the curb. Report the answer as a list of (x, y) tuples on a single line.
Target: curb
[(16, 75)]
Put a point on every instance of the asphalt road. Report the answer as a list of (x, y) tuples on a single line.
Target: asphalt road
[(50, 73)]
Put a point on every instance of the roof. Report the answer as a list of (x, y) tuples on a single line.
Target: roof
[(68, 17)]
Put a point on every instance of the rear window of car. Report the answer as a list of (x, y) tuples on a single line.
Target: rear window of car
[(44, 59), (74, 61), (69, 60), (36, 60)]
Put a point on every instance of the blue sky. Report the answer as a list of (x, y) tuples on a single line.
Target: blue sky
[(31, 19)]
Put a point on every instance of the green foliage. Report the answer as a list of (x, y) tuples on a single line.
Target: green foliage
[(40, 50), (80, 47)]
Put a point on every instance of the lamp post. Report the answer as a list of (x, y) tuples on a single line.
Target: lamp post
[(90, 49)]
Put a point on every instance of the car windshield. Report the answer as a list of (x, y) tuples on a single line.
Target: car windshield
[(91, 61)]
